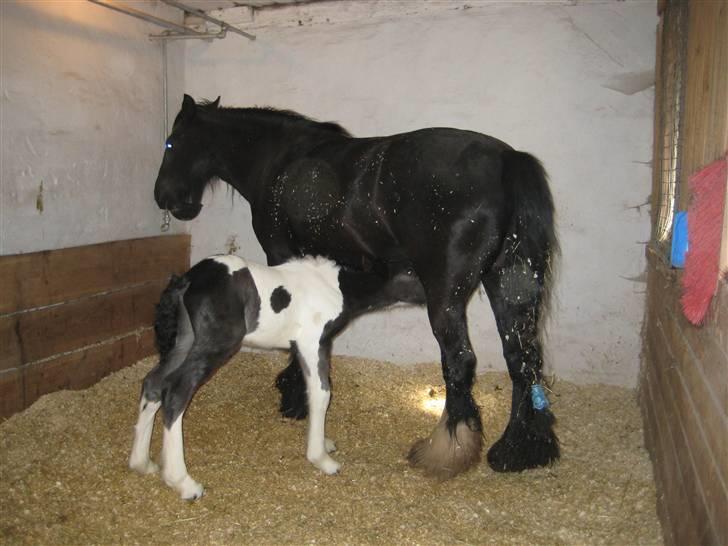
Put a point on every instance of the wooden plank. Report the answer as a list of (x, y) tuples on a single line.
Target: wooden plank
[(44, 278), (705, 133), (11, 393), (10, 351), (142, 260), (81, 369), (693, 495), (668, 471), (664, 481), (53, 330), (689, 347)]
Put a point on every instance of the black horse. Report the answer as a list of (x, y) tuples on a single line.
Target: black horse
[(440, 210)]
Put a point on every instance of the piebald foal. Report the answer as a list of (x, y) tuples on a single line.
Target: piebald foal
[(224, 302)]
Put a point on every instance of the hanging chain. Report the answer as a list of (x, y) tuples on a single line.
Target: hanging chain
[(165, 221)]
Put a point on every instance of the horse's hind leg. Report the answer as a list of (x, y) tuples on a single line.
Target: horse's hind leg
[(139, 459), (152, 395), (515, 295), (178, 388)]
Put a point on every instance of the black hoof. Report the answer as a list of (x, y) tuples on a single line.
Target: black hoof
[(293, 396), (525, 445)]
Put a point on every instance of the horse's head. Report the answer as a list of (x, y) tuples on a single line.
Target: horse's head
[(187, 165)]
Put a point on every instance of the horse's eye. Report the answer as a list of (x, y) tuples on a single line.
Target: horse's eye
[(168, 145)]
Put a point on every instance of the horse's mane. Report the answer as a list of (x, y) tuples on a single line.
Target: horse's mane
[(267, 113)]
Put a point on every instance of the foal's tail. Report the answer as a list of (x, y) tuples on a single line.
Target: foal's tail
[(167, 314), (532, 231)]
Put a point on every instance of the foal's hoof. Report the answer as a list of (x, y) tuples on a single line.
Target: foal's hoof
[(525, 445), (325, 464), (446, 454), (190, 490), (187, 488)]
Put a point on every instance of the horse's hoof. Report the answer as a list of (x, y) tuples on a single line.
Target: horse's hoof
[(525, 446), (187, 488), (194, 493), (325, 464), (446, 454)]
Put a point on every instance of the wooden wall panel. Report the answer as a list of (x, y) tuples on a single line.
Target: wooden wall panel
[(10, 355), (58, 276), (684, 400), (11, 392), (61, 328), (81, 369), (705, 128), (684, 377), (69, 317)]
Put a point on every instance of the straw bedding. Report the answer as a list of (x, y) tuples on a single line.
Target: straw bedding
[(64, 478)]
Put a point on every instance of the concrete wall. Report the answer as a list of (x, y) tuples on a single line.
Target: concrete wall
[(569, 82), (82, 131)]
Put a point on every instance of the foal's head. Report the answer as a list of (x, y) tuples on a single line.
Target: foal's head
[(188, 163)]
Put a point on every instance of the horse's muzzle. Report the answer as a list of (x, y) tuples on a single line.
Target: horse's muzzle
[(186, 211)]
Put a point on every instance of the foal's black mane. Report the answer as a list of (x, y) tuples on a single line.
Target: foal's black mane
[(285, 117)]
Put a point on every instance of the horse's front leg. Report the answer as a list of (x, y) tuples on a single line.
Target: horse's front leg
[(315, 362), (456, 443)]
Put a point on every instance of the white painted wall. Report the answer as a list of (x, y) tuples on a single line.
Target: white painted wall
[(81, 114), (549, 78)]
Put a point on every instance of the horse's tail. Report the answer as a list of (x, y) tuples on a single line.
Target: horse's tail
[(531, 240), (167, 315)]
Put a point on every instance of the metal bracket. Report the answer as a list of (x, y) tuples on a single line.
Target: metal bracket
[(176, 31)]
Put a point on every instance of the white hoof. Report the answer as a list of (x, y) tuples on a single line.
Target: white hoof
[(191, 491), (144, 467), (325, 464), (330, 445), (187, 488)]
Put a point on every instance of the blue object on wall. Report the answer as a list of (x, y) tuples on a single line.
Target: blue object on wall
[(679, 239)]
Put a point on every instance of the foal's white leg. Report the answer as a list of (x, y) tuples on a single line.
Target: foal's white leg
[(139, 458), (174, 470), (318, 446)]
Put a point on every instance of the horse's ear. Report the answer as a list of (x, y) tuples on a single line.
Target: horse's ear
[(216, 102), (187, 112), (188, 103)]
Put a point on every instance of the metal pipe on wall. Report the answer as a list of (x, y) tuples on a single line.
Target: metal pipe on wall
[(146, 17)]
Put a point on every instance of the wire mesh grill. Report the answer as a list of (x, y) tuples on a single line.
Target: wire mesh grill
[(672, 70)]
